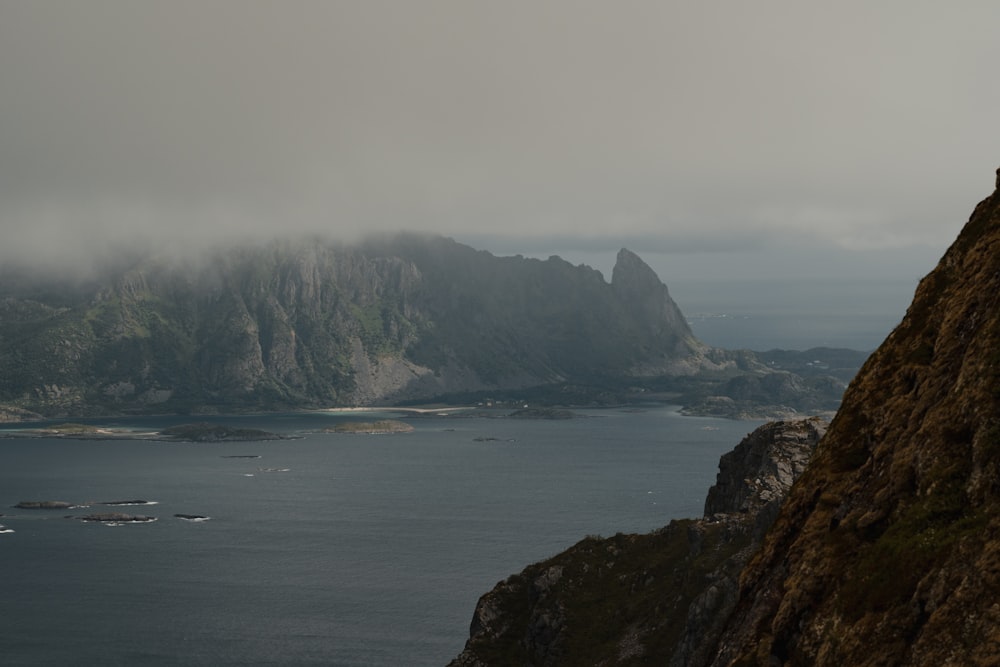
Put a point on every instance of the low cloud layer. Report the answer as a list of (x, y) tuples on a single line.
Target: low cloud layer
[(687, 127)]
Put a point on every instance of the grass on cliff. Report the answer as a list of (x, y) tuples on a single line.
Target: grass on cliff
[(918, 539), (609, 587)]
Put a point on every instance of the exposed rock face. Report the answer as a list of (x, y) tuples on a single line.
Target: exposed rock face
[(638, 286), (661, 598), (754, 478), (887, 550), (14, 414)]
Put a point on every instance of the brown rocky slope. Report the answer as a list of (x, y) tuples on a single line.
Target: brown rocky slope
[(887, 549), (659, 598)]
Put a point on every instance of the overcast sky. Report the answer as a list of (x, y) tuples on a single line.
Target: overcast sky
[(707, 134)]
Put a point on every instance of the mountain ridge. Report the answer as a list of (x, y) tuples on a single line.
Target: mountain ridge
[(314, 323), (406, 318)]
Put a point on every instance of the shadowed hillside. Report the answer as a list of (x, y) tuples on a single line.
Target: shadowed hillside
[(660, 598)]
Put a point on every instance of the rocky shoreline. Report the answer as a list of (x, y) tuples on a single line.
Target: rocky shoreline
[(197, 432), (45, 505), (115, 517), (380, 427), (202, 432), (107, 518)]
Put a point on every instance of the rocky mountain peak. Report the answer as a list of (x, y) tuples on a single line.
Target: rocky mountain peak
[(637, 285), (630, 272)]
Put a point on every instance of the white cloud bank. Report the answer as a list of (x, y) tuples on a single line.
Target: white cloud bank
[(685, 126)]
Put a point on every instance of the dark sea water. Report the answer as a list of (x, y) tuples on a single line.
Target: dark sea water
[(367, 550), (768, 314)]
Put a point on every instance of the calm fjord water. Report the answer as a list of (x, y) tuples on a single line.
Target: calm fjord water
[(367, 550)]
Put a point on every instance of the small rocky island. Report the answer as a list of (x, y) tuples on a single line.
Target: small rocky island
[(371, 428), (44, 505), (120, 503), (542, 413), (115, 517), (202, 432), (197, 432)]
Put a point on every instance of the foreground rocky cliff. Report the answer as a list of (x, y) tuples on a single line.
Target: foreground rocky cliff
[(660, 598), (887, 551)]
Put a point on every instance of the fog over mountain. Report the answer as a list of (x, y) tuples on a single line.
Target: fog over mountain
[(713, 134)]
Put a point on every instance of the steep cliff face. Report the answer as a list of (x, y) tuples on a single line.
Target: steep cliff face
[(887, 550), (295, 324), (660, 598), (754, 478), (638, 286), (525, 321)]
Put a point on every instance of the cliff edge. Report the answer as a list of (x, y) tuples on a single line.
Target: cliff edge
[(636, 599)]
